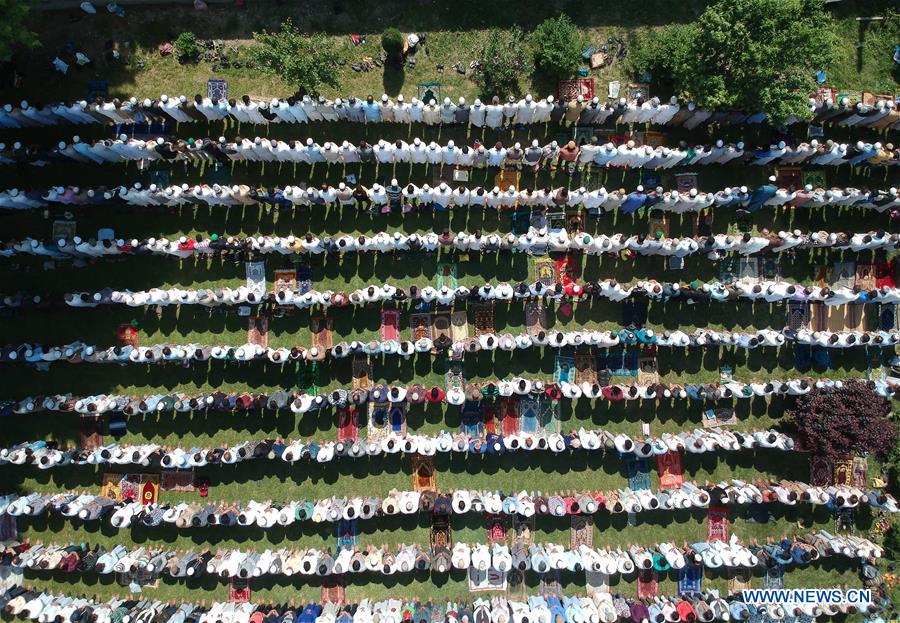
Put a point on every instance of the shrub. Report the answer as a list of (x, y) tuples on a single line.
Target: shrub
[(841, 423), (557, 46), (392, 42), (12, 27), (307, 63), (503, 61), (186, 47)]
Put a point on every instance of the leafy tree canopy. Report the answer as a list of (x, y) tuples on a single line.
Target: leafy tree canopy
[(841, 423), (747, 54), (503, 62), (307, 62), (557, 46), (12, 27), (392, 43)]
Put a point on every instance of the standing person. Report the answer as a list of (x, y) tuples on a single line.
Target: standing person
[(461, 114), (573, 110), (494, 114), (371, 110), (509, 111), (477, 114)]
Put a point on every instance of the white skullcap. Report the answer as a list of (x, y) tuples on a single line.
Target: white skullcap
[(400, 98), (342, 186), (534, 143), (772, 178), (477, 102), (432, 102), (394, 181), (720, 143), (740, 144), (182, 99), (595, 100), (581, 98), (814, 143), (152, 187), (511, 188), (274, 101), (781, 145), (640, 188), (384, 97), (450, 143), (550, 99), (309, 141), (630, 144), (743, 189), (860, 145), (462, 101), (693, 192), (123, 137), (164, 98), (446, 101), (417, 141), (496, 189), (528, 98), (160, 141), (518, 145), (808, 187), (62, 144)]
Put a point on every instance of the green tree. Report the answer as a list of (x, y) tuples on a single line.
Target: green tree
[(392, 43), (747, 54), (12, 27), (503, 61), (186, 47), (308, 63), (557, 46)]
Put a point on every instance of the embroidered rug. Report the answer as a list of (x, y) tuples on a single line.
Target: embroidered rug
[(535, 317), (821, 472), (333, 590), (362, 373), (564, 369), (843, 472), (321, 328), (523, 529), (797, 315), (483, 314), (549, 584), (471, 419), (865, 276), (420, 324), (549, 415), (497, 526), (582, 531), (258, 331), (446, 275), (379, 423), (545, 271), (424, 476), (647, 583), (490, 417), (843, 274), (397, 416), (90, 431), (717, 523), (690, 580), (256, 276), (860, 472), (774, 577), (585, 368), (671, 473), (177, 480), (347, 534), (529, 414)]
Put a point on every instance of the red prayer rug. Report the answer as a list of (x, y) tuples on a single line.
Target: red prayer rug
[(717, 523)]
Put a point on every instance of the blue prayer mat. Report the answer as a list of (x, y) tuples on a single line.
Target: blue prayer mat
[(638, 470), (690, 580)]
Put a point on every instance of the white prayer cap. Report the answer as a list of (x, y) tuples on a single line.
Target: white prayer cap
[(581, 98), (496, 189), (76, 240), (90, 192), (400, 98), (781, 145), (381, 143), (796, 232), (772, 178), (630, 145), (893, 190), (61, 243), (640, 188), (743, 189), (808, 187), (7, 107), (342, 186), (443, 185), (137, 185), (184, 187), (534, 143), (720, 143), (23, 104), (554, 144), (221, 139), (812, 101), (309, 141), (814, 143), (528, 98), (451, 144), (394, 181), (845, 100), (889, 103), (692, 106), (511, 188), (164, 98), (182, 240), (673, 100), (168, 192), (860, 145), (415, 100), (123, 137), (417, 141), (740, 144), (338, 101), (693, 192), (550, 99), (518, 145), (235, 188), (384, 97), (62, 144), (648, 150), (622, 101), (462, 101), (160, 141), (396, 235), (447, 101), (477, 102), (877, 145), (182, 99), (133, 100), (432, 102), (17, 145), (152, 187), (595, 100)]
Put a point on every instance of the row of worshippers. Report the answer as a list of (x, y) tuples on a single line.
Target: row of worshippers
[(534, 242), (49, 454), (534, 156), (228, 563), (222, 402), (601, 607), (495, 114), (122, 514), (411, 196), (762, 290)]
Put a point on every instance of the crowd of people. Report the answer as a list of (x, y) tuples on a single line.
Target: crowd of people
[(569, 156), (268, 514), (410, 558), (49, 454), (602, 607), (411, 197), (496, 114)]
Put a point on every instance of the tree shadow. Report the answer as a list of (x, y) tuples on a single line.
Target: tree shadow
[(393, 78)]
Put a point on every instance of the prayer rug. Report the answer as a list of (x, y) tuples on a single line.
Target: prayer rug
[(738, 580), (440, 536), (634, 313), (516, 589), (686, 182), (217, 89), (348, 423), (127, 335), (9, 531), (843, 472), (843, 274), (549, 415), (459, 325), (571, 89), (529, 414), (333, 590), (748, 269), (535, 317), (447, 275), (855, 317), (690, 580), (654, 139), (471, 419), (647, 583), (861, 472), (865, 276), (285, 281), (797, 315), (90, 431), (347, 534), (774, 578), (887, 316), (239, 591), (638, 471), (304, 279), (321, 328), (566, 273), (728, 269), (585, 368), (505, 179), (454, 377), (117, 424), (564, 369), (362, 373), (440, 325), (818, 316), (523, 529), (658, 225), (483, 314), (520, 221), (789, 177), (595, 582), (582, 531), (648, 371), (884, 274), (509, 416), (397, 416), (549, 584), (390, 325), (717, 523), (64, 230), (703, 222), (497, 528), (845, 520), (770, 267), (545, 271), (420, 324), (821, 473), (379, 424), (490, 417), (177, 480), (131, 487), (671, 472), (258, 331), (815, 177), (424, 477), (726, 416), (256, 276), (618, 361), (490, 580)]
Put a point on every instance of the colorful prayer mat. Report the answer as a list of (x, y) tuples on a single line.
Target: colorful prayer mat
[(564, 369), (774, 577), (440, 324), (471, 418), (860, 477), (748, 269), (420, 324), (348, 424), (239, 591), (523, 529), (797, 315), (865, 276), (686, 182), (596, 582), (304, 279), (258, 331), (509, 416), (529, 414), (362, 373), (545, 271), (638, 472), (378, 424), (390, 325), (333, 590), (483, 313), (690, 580), (256, 276), (585, 368), (321, 329), (490, 417), (217, 89), (397, 416), (884, 274), (549, 415), (647, 583), (729, 268), (424, 476), (347, 534), (582, 531), (447, 275), (821, 472), (535, 317), (490, 580), (717, 523), (454, 378), (671, 472), (549, 583), (571, 89), (618, 361), (497, 526), (843, 472), (128, 335), (441, 535), (648, 372)]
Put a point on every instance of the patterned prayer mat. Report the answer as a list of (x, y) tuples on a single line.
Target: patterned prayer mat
[(535, 317), (523, 529), (497, 527), (585, 368), (390, 325), (843, 274), (483, 314), (774, 577), (440, 324), (321, 328), (564, 369), (447, 275), (258, 331), (717, 523), (333, 590), (454, 377), (843, 472), (490, 417), (545, 271), (821, 472), (362, 373), (690, 580), (424, 476), (529, 414), (441, 535), (860, 472), (638, 472), (671, 473), (648, 372), (509, 416), (797, 315), (548, 415), (582, 531), (177, 480), (865, 276), (378, 425), (256, 276), (647, 583), (549, 584), (397, 417), (738, 580), (471, 419), (347, 534), (420, 325), (618, 361), (127, 335)]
